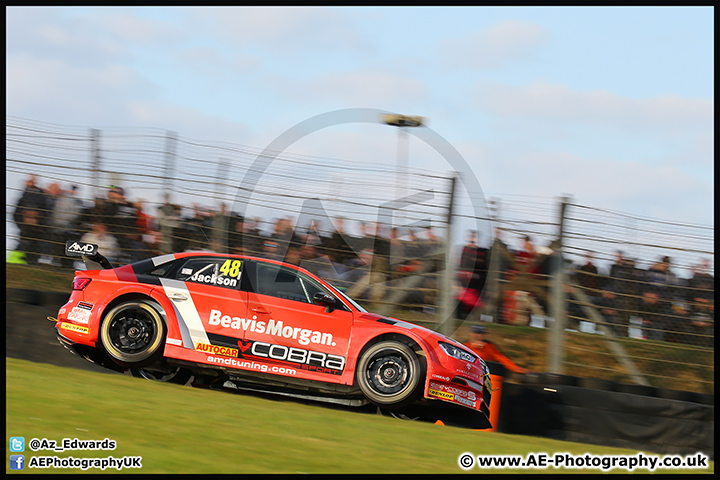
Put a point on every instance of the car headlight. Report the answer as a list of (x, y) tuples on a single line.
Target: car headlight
[(458, 353), (486, 375), (485, 368)]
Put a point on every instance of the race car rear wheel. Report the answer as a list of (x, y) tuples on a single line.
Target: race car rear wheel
[(133, 333), (390, 374)]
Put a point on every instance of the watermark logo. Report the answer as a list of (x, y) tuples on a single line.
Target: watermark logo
[(313, 209), (17, 462), (17, 444)]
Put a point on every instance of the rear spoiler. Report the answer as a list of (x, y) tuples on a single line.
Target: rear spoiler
[(89, 253)]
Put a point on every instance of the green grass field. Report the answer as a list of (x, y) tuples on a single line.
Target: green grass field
[(186, 430)]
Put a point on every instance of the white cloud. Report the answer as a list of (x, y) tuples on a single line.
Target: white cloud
[(494, 47), (368, 88), (562, 103), (188, 123), (40, 85), (62, 35), (132, 29), (214, 63), (658, 191), (284, 31)]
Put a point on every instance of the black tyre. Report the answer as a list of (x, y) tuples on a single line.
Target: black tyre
[(177, 375), (133, 333), (390, 374)]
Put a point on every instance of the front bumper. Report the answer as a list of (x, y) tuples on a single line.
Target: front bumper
[(460, 391), (459, 383)]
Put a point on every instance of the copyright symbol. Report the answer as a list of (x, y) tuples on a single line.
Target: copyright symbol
[(466, 461), (34, 444)]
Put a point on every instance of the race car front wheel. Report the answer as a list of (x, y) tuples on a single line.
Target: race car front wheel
[(390, 374), (133, 333)]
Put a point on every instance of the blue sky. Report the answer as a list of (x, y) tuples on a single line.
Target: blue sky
[(613, 106)]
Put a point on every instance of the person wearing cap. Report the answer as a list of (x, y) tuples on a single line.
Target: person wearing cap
[(488, 351)]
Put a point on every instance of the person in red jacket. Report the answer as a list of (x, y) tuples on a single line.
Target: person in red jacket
[(488, 351)]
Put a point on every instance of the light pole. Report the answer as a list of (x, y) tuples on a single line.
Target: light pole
[(402, 122), (446, 301)]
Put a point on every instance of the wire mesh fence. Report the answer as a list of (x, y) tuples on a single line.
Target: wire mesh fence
[(642, 288), (144, 192)]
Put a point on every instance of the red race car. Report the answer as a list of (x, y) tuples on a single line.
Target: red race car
[(263, 325)]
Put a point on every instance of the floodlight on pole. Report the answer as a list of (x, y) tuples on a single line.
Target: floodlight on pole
[(402, 121)]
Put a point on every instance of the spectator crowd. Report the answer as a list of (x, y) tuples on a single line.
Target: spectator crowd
[(670, 308)]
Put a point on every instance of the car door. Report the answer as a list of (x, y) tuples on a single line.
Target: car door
[(210, 304), (291, 331)]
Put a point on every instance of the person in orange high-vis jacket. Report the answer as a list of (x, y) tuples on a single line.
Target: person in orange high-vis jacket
[(488, 351)]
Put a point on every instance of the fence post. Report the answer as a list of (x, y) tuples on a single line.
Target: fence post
[(491, 290), (221, 222), (446, 289), (170, 153), (556, 346), (95, 160)]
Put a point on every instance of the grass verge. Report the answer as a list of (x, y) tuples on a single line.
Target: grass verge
[(185, 430)]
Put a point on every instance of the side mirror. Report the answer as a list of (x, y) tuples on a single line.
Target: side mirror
[(326, 300)]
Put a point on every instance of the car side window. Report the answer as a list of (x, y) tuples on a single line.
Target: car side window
[(281, 282), (160, 271), (218, 271), (276, 281)]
